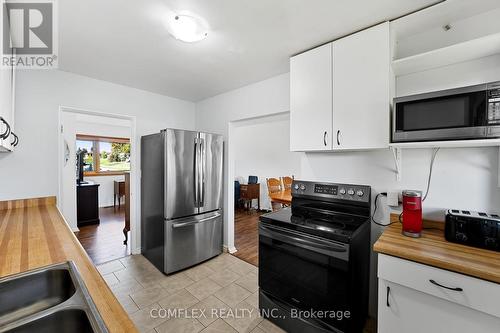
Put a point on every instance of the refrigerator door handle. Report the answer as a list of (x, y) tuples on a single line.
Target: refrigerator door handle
[(202, 171), (195, 169), (186, 224)]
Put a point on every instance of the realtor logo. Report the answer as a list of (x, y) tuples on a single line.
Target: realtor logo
[(29, 38)]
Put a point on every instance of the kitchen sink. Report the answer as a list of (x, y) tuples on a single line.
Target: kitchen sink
[(59, 321), (49, 299)]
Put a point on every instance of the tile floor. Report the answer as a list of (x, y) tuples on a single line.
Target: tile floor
[(224, 285)]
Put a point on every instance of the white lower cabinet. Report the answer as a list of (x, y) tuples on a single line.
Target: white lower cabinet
[(413, 298)]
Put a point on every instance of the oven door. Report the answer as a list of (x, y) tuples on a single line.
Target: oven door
[(304, 271), (444, 115)]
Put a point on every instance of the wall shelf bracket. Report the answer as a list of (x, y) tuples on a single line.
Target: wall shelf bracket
[(397, 154)]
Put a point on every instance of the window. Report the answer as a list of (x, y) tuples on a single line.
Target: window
[(104, 155)]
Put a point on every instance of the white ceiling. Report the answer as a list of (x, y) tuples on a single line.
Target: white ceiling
[(125, 41)]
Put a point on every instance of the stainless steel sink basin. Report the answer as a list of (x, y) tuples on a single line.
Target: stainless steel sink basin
[(59, 321), (32, 293), (49, 299)]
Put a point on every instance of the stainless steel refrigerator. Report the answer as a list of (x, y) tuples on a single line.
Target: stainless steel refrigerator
[(181, 198)]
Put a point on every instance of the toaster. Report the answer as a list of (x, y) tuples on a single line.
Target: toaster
[(473, 228)]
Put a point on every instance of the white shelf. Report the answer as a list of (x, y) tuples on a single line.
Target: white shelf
[(448, 144), (469, 50)]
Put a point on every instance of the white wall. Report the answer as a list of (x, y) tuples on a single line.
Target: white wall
[(262, 149)]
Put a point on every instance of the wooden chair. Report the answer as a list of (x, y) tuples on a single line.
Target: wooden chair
[(273, 186), (287, 182)]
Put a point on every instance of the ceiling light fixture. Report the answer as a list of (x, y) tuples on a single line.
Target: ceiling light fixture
[(187, 28)]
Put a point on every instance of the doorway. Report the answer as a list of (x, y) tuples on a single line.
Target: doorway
[(97, 181), (259, 149)]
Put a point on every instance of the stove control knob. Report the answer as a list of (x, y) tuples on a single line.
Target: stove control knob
[(360, 193), (342, 191), (350, 191), (302, 187), (296, 186)]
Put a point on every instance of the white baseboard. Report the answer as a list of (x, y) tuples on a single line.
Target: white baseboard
[(75, 229), (136, 250), (229, 249)]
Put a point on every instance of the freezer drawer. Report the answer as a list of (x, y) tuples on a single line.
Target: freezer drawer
[(191, 240)]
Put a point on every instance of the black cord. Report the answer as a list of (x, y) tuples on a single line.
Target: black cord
[(375, 210)]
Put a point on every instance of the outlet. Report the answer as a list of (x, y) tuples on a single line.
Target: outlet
[(393, 198)]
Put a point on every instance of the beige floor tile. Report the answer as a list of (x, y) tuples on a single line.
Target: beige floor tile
[(126, 288), (147, 296), (249, 282), (110, 267), (212, 307), (258, 330), (110, 279), (176, 282), (128, 304), (242, 267), (247, 321), (204, 288), (143, 319), (225, 277), (232, 294), (183, 299), (199, 272), (253, 300), (135, 259), (180, 325), (269, 327), (219, 326)]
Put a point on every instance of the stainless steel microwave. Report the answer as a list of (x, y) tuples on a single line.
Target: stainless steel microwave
[(455, 114)]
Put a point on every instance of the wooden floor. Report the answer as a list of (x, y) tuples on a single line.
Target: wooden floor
[(246, 235), (104, 242)]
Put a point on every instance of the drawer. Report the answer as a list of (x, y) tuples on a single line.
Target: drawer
[(475, 293)]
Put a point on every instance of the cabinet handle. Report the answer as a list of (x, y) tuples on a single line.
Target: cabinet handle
[(338, 140), (387, 299), (324, 138), (16, 139), (449, 288), (7, 130)]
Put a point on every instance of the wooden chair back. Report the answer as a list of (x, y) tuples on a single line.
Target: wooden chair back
[(287, 182), (273, 185)]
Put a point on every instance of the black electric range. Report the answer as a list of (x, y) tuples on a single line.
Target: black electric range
[(314, 258)]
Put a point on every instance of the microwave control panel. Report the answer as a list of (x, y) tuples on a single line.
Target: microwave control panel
[(494, 105)]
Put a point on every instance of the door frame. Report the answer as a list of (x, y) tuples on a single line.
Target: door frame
[(135, 237), (229, 215)]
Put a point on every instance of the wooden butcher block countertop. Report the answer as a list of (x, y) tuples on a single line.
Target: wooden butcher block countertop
[(33, 234), (432, 249)]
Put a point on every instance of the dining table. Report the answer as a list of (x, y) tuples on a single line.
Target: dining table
[(283, 197)]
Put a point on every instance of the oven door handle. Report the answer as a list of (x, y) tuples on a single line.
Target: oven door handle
[(287, 237)]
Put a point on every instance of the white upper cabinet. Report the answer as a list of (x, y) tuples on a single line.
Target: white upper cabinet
[(311, 100), (340, 94), (361, 98)]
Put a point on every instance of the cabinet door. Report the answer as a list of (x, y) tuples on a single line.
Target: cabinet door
[(311, 100), (402, 309), (361, 102)]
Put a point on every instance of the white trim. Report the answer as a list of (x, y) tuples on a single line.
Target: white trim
[(135, 239)]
